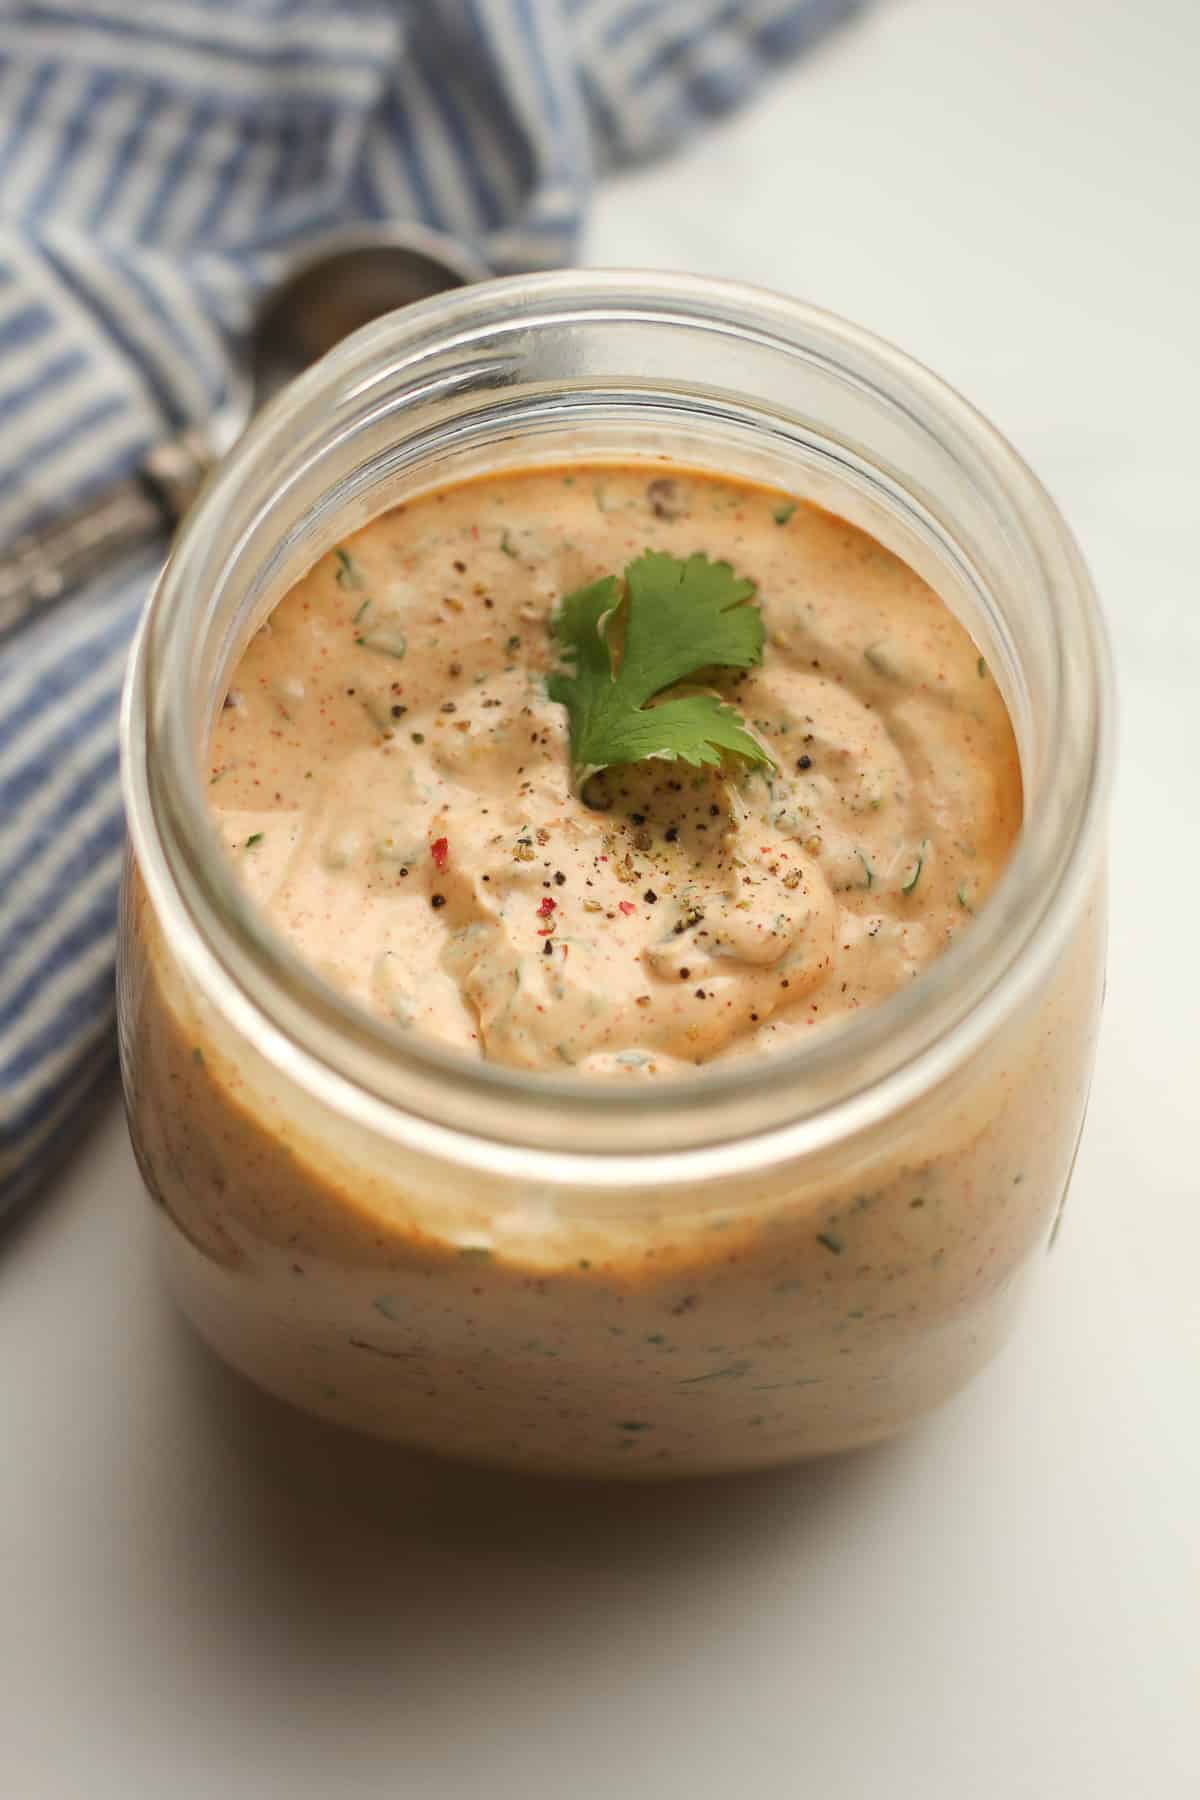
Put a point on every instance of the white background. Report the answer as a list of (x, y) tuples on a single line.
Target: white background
[(202, 1595)]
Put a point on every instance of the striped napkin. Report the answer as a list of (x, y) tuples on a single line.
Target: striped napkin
[(157, 163)]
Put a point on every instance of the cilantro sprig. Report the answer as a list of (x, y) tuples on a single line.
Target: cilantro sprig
[(628, 639)]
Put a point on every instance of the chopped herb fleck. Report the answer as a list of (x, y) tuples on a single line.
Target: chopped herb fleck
[(349, 574), (908, 886), (384, 638), (981, 668), (256, 837), (783, 513), (831, 1242), (731, 1372), (506, 543)]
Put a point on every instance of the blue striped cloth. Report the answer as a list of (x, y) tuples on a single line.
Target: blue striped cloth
[(157, 161)]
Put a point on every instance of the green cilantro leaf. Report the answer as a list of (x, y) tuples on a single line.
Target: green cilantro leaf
[(629, 640)]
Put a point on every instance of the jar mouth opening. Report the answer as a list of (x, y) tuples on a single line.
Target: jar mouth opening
[(856, 1072)]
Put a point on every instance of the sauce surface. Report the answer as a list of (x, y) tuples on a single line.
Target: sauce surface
[(394, 783)]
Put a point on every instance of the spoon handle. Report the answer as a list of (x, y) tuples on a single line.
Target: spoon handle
[(43, 565)]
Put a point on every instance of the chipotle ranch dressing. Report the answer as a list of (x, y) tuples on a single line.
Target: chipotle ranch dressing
[(395, 786), (401, 809)]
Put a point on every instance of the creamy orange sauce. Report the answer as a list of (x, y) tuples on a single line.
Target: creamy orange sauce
[(713, 1324), (395, 785)]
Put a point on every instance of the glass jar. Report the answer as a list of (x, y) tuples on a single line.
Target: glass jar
[(775, 1258)]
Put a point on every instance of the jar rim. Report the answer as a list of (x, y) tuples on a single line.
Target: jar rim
[(739, 1114)]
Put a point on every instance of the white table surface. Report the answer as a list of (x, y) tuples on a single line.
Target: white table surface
[(203, 1595)]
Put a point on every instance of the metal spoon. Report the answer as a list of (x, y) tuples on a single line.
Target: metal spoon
[(341, 281)]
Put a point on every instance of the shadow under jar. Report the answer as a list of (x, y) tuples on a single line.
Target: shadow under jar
[(776, 1258)]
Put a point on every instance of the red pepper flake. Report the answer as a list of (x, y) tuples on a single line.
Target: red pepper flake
[(627, 907), (546, 907), (440, 852)]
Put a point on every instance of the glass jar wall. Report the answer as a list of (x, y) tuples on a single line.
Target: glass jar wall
[(778, 1258)]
